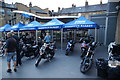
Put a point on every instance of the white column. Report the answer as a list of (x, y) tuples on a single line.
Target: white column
[(95, 34), (74, 35), (106, 27), (61, 38), (52, 35)]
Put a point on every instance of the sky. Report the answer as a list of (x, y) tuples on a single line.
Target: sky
[(54, 4)]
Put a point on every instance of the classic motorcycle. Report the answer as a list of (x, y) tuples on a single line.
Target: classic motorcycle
[(70, 47), (88, 59), (47, 51)]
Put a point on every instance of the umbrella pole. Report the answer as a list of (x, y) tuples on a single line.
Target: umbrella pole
[(52, 35), (5, 34), (74, 34), (61, 38), (18, 33), (36, 36), (95, 34)]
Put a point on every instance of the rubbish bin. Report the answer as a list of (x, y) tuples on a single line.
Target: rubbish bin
[(102, 65), (114, 73)]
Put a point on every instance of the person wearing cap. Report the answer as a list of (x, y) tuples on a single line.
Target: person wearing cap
[(10, 51)]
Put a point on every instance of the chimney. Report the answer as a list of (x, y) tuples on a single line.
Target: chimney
[(100, 2), (86, 3), (58, 9), (52, 10), (30, 4), (73, 5)]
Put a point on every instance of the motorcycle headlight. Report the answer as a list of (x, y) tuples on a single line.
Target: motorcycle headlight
[(41, 53)]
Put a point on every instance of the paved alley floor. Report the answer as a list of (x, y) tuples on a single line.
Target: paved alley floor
[(61, 66)]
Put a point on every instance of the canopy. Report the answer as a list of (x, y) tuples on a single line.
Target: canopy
[(25, 15), (5, 28), (81, 22), (17, 26), (31, 26), (53, 24)]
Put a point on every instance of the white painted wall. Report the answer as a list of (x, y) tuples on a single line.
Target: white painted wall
[(113, 0)]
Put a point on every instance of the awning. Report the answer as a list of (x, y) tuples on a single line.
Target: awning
[(53, 24), (81, 22), (31, 26), (17, 26), (5, 28)]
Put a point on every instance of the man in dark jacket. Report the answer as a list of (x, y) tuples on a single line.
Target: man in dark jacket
[(17, 49), (10, 51)]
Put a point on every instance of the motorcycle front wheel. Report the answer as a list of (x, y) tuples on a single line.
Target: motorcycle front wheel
[(85, 65), (37, 62), (52, 55), (67, 52)]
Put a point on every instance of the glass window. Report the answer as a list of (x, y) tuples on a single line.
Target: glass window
[(2, 11), (9, 12)]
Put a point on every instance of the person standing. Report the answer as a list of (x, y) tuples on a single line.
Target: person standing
[(10, 51), (17, 49), (47, 38)]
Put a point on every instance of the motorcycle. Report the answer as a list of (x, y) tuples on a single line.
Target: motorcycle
[(87, 61), (70, 47), (29, 50), (84, 48), (47, 51), (114, 51), (2, 48)]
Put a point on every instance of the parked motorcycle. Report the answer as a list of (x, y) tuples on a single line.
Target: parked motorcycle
[(47, 51), (114, 51), (70, 47), (29, 50), (2, 48), (88, 59), (84, 48)]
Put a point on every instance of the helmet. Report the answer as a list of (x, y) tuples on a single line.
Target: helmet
[(71, 41), (93, 43)]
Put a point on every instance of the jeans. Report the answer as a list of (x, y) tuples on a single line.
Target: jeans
[(11, 55)]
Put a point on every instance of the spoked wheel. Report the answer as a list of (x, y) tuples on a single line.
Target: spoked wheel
[(85, 65), (52, 55), (37, 62)]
